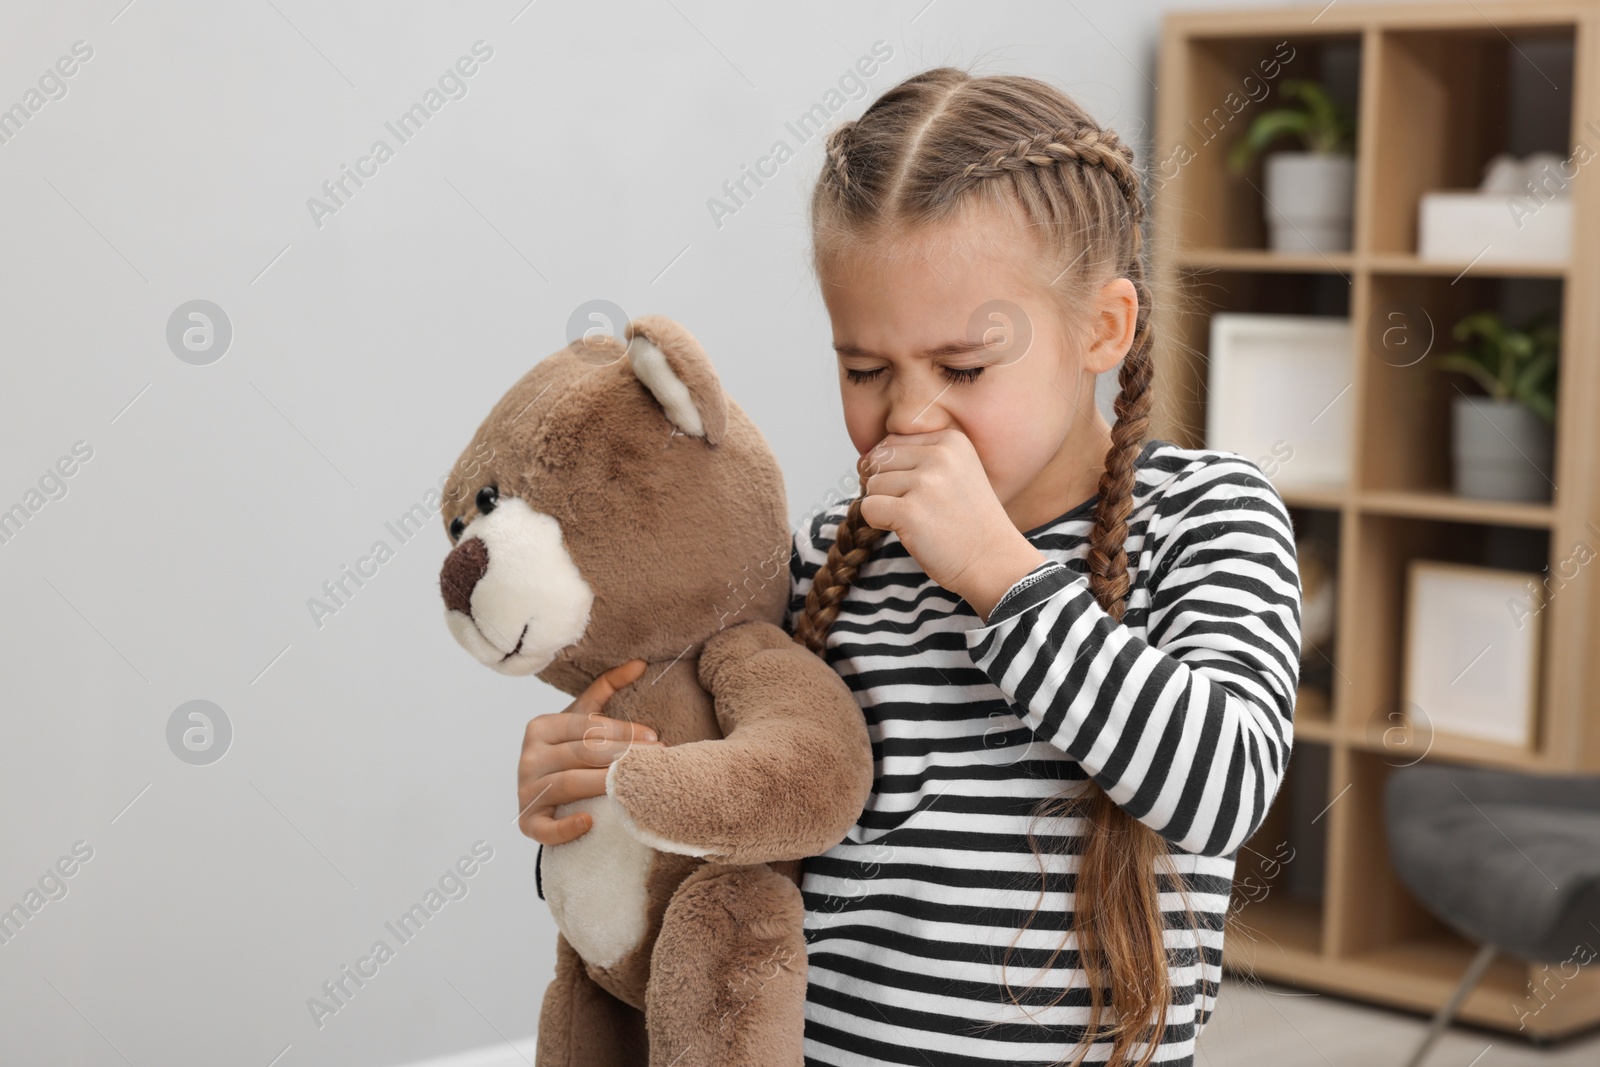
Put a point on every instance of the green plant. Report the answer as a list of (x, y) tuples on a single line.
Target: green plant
[(1321, 124), (1510, 364)]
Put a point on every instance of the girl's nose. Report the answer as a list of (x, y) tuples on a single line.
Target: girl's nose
[(919, 412)]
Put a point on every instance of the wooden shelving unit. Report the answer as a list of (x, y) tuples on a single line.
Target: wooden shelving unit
[(1434, 86)]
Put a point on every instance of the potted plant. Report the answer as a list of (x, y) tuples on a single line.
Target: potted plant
[(1502, 443), (1309, 193)]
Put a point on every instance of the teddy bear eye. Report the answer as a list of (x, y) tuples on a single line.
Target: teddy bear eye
[(488, 497), (457, 526)]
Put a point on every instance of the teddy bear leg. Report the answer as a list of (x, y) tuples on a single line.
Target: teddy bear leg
[(581, 1025), (728, 972)]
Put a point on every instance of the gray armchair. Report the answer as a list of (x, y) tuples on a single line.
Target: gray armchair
[(1509, 860)]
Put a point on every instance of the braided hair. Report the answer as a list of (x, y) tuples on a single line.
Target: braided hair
[(939, 143)]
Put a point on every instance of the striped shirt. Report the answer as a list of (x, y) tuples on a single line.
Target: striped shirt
[(1182, 712)]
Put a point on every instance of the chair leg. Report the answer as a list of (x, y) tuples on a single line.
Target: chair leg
[(1442, 1017)]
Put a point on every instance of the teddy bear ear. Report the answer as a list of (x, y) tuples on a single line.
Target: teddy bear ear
[(671, 364)]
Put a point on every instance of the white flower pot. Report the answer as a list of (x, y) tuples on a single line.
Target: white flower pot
[(1309, 198), (1501, 450)]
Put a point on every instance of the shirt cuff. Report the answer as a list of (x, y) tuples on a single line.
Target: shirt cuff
[(1035, 587)]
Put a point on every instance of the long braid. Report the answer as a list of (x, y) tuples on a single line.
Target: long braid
[(1108, 558), (851, 548), (1118, 898), (923, 148)]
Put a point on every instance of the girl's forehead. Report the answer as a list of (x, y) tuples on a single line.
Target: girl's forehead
[(984, 234), (941, 269), (929, 284)]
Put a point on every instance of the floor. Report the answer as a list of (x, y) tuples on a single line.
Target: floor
[(1265, 1025)]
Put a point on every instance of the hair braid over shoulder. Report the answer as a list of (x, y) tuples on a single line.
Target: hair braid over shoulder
[(851, 548)]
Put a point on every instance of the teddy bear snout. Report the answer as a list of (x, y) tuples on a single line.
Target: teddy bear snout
[(513, 596), (466, 564)]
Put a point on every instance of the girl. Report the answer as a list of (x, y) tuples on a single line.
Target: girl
[(1076, 648), (1112, 681)]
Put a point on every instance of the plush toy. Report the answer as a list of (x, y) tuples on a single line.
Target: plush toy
[(617, 504)]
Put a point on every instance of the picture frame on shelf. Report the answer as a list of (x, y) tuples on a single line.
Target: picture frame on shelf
[(1278, 390), (1471, 659)]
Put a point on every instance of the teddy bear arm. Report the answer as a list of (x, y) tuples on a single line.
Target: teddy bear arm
[(787, 782)]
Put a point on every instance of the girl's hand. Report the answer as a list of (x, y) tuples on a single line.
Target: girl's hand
[(932, 491), (565, 756)]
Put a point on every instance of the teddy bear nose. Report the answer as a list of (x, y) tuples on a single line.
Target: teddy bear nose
[(463, 567)]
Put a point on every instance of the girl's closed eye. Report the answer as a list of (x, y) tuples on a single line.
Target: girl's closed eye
[(956, 375)]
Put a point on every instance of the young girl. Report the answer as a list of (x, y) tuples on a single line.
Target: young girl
[(1077, 649)]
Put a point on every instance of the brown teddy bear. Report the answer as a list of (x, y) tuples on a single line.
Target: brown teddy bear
[(617, 504)]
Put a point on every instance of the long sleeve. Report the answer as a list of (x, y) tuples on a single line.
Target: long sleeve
[(1189, 728)]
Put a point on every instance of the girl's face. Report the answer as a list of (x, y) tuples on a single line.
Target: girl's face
[(944, 333)]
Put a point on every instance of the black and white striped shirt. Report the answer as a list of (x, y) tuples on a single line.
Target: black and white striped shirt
[(1183, 713)]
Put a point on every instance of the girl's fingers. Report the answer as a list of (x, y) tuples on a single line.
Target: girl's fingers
[(605, 687), (895, 455), (560, 727), (891, 483), (562, 787), (870, 463), (541, 797), (589, 742), (538, 763), (584, 718), (596, 752), (547, 831)]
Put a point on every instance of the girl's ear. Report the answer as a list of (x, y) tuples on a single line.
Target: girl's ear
[(670, 363), (1116, 321)]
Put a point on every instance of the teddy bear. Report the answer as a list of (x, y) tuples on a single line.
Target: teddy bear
[(617, 504)]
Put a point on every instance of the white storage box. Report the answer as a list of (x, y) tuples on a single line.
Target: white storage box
[(1455, 227)]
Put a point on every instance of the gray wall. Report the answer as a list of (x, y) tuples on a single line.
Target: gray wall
[(368, 752)]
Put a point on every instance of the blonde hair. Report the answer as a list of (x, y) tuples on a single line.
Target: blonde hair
[(938, 145)]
